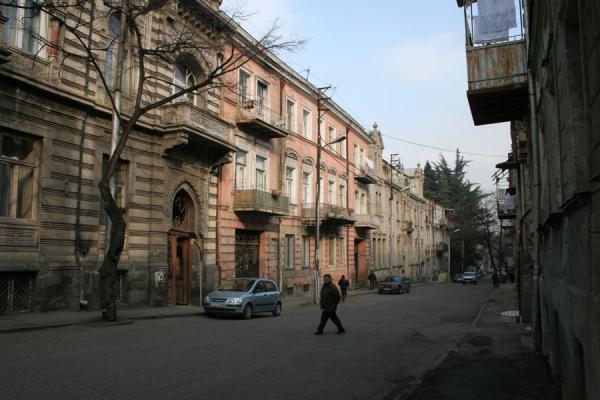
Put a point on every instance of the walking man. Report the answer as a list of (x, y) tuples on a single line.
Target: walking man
[(343, 284), (372, 279), (330, 297)]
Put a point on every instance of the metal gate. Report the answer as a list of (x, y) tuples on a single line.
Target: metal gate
[(16, 292), (246, 253)]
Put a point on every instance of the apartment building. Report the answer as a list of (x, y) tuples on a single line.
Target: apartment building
[(536, 65)]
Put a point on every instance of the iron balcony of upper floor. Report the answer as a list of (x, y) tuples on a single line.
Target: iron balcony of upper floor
[(261, 201), (364, 173), (186, 123), (496, 67), (255, 117), (366, 221), (329, 214)]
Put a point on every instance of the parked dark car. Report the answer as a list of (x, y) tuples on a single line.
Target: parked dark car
[(469, 277), (394, 284), (457, 278), (244, 297)]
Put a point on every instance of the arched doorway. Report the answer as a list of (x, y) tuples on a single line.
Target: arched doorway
[(180, 235)]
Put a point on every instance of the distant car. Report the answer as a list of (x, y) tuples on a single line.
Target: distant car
[(394, 284), (480, 274), (244, 297), (469, 277), (457, 278)]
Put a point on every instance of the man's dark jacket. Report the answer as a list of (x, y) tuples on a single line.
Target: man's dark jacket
[(330, 297)]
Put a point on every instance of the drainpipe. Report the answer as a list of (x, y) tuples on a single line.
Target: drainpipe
[(535, 295), (218, 224), (79, 251)]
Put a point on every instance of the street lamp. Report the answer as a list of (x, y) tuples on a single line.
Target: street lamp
[(320, 147)]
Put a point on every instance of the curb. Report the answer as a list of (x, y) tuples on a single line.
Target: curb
[(97, 322)]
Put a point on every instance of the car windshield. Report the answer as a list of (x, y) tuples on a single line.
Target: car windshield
[(238, 285), (469, 274), (393, 279)]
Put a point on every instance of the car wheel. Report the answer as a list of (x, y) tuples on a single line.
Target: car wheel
[(381, 292), (408, 290), (210, 314), (463, 283), (476, 282), (277, 310), (247, 312)]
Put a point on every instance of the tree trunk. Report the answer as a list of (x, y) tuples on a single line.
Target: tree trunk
[(108, 271)]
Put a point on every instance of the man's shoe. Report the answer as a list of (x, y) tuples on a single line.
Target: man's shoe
[(317, 333), (340, 332)]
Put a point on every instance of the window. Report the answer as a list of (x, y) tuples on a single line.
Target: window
[(357, 202), (362, 157), (244, 95), (290, 249), (290, 115), (356, 156), (331, 135), (240, 170), (290, 184), (342, 251), (306, 288), (306, 188), (331, 191), (120, 179), (363, 204), (289, 291), (306, 124), (110, 60), (342, 202), (331, 251), (342, 147), (305, 251), (25, 25), (17, 176), (261, 174), (182, 79), (262, 101)]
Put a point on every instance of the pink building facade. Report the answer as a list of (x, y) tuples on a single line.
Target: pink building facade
[(266, 201)]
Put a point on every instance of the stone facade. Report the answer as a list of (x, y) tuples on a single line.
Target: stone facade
[(555, 170)]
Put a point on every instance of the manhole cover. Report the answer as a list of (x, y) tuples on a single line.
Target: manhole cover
[(481, 341)]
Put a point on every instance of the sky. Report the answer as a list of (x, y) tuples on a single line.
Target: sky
[(399, 63)]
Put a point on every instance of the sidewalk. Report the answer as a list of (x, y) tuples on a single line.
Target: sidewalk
[(493, 361), (55, 319)]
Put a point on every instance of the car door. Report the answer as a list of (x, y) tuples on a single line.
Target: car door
[(260, 296), (272, 295)]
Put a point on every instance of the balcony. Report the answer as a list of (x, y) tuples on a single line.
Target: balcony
[(260, 201), (366, 221), (191, 124), (441, 247), (506, 203), (329, 214), (365, 173), (255, 118), (496, 63)]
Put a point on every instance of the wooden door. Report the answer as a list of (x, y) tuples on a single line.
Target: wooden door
[(179, 269)]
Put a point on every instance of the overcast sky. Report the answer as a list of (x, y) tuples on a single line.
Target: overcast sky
[(400, 63)]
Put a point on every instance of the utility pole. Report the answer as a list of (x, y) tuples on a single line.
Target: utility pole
[(394, 161), (321, 111)]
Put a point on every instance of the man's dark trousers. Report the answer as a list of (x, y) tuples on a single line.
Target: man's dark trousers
[(325, 315)]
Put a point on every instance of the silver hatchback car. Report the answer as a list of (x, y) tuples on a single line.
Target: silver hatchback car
[(244, 297)]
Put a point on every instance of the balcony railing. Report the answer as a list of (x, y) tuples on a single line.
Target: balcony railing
[(260, 201), (365, 173), (328, 213), (366, 221), (506, 203), (206, 127), (496, 62), (255, 117)]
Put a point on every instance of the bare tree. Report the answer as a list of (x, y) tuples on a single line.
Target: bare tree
[(197, 27)]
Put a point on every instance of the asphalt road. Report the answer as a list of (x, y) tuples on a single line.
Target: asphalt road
[(391, 339)]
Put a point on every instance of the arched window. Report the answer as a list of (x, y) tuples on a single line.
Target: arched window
[(110, 59), (187, 72), (183, 78)]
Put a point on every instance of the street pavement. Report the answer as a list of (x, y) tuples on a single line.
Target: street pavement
[(392, 340)]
